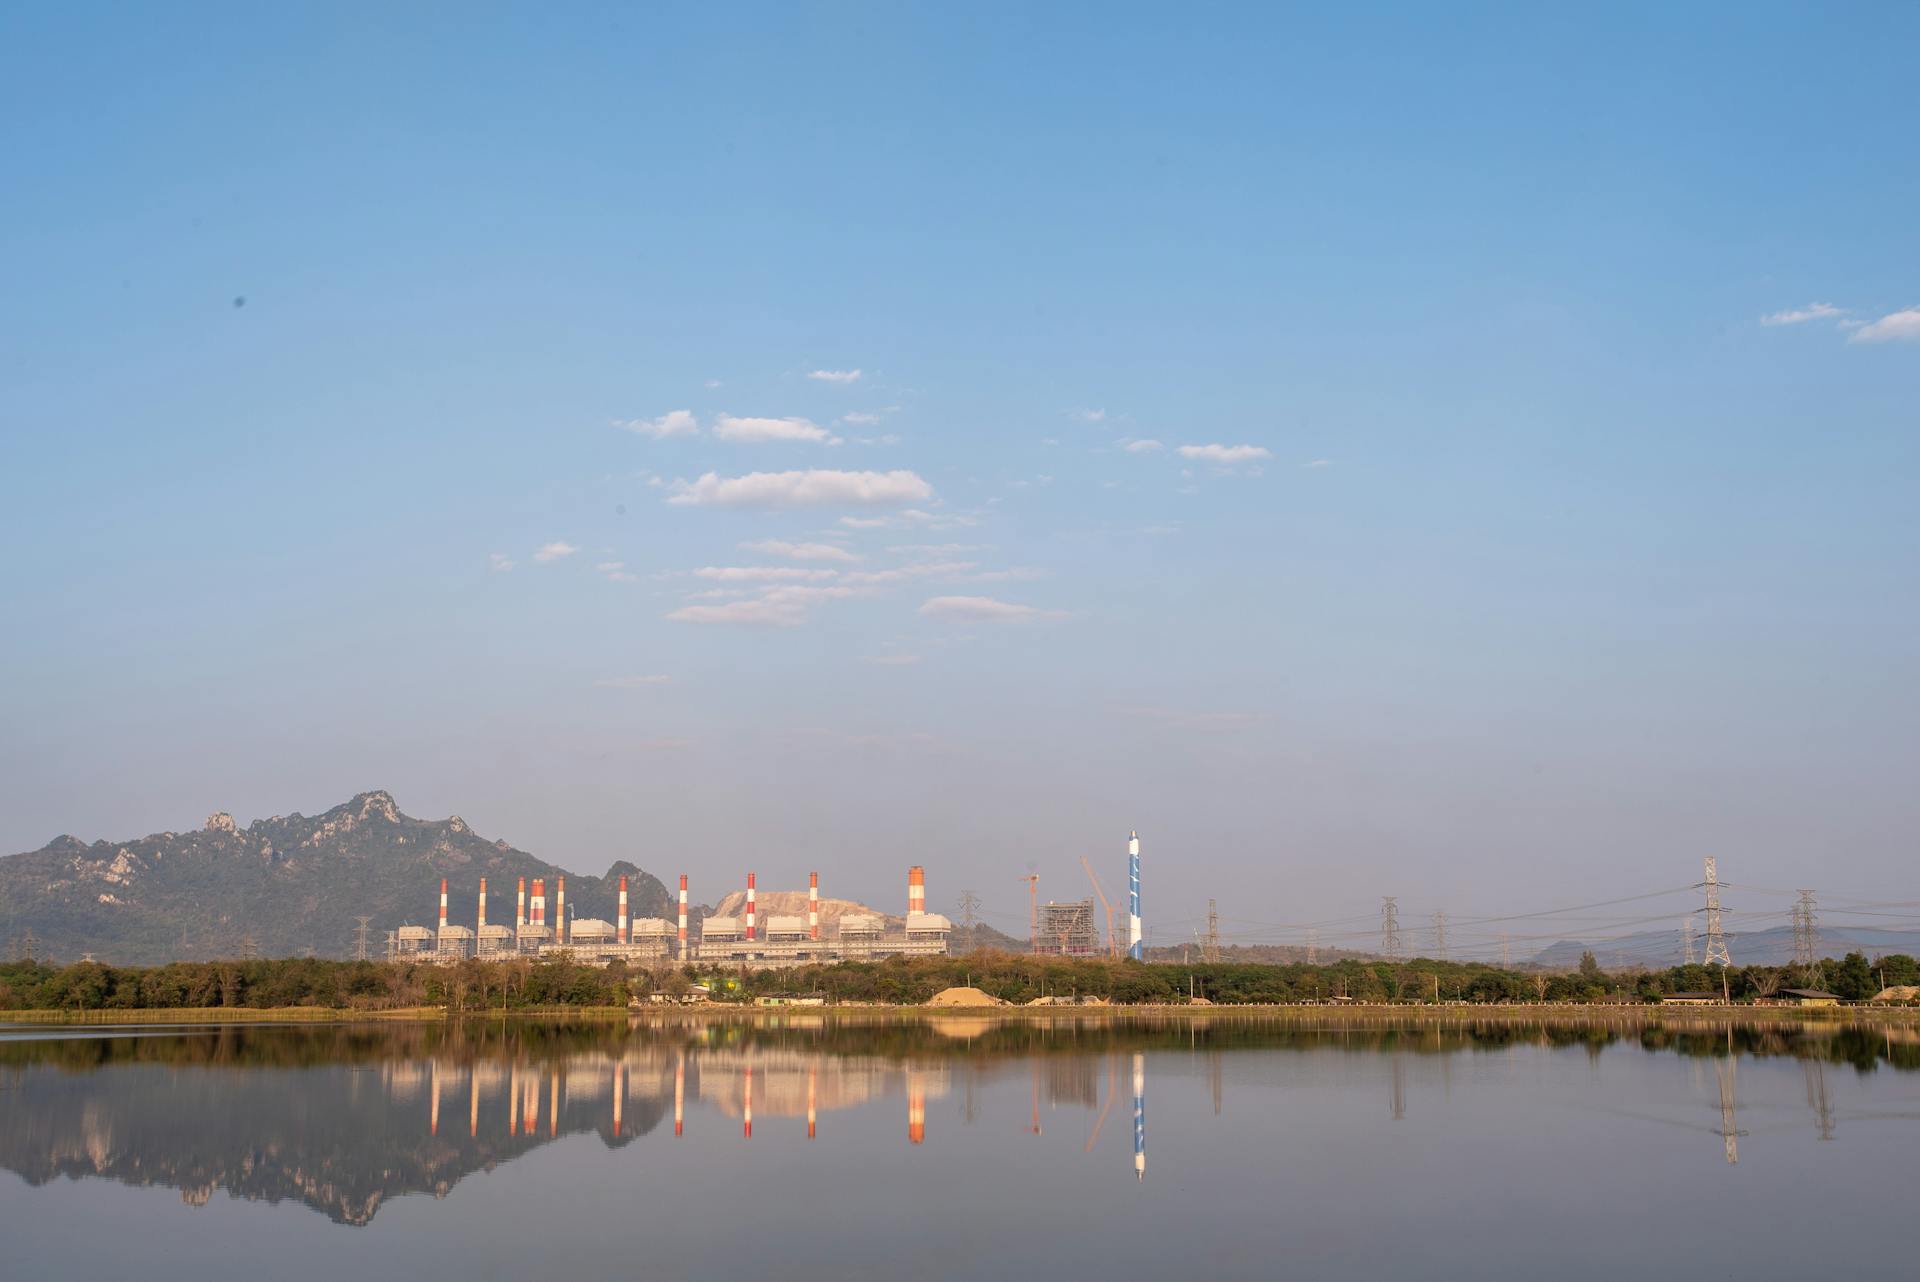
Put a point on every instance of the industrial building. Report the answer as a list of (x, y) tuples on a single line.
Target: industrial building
[(743, 940), (1067, 930)]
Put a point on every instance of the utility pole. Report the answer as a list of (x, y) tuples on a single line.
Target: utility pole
[(1390, 928), (1212, 953), (1716, 934), (360, 939), (1440, 934), (1688, 955), (1313, 946)]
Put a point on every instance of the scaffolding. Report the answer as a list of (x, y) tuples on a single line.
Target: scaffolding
[(1067, 930)]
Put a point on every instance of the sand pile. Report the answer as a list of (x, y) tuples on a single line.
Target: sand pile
[(963, 997)]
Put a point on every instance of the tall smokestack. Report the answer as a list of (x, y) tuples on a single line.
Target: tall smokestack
[(520, 906), (539, 901), (683, 916), (480, 922), (1136, 949), (560, 912), (750, 917), (813, 905), (621, 923), (916, 889), (443, 903)]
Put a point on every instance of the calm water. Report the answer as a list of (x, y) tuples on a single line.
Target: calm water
[(804, 1148)]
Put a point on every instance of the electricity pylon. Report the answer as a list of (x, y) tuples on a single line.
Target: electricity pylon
[(1688, 953), (1440, 934), (1716, 934), (1390, 928)]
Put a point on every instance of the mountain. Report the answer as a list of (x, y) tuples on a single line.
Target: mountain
[(1774, 947), (283, 886)]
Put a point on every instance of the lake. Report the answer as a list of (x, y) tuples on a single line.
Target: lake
[(805, 1146)]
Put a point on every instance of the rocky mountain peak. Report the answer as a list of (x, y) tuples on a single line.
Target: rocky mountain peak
[(221, 821)]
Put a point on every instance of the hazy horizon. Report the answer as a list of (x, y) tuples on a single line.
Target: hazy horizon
[(1463, 456)]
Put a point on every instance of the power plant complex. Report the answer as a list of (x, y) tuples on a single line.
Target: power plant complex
[(745, 939)]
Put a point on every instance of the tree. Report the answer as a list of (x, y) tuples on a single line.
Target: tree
[(1853, 978)]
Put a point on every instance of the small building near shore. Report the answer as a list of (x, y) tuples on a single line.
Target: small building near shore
[(1810, 997)]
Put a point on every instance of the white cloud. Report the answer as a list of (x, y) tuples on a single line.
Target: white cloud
[(982, 609), (554, 551), (1140, 447), (762, 574), (728, 427), (1226, 455), (1319, 462), (1088, 416), (1812, 311), (632, 683), (912, 517), (860, 420), (616, 571), (835, 376), (672, 423), (801, 551), (1014, 574), (781, 607), (1895, 327), (900, 574), (714, 384), (935, 549), (499, 561), (816, 487)]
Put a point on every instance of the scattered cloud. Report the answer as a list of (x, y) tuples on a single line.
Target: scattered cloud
[(1013, 574), (499, 562), (982, 609), (860, 419), (762, 574), (1088, 416), (1140, 447), (781, 607), (935, 549), (632, 683), (729, 427), (554, 551), (1902, 326), (714, 384), (911, 517), (616, 571), (888, 438), (815, 487), (1812, 311), (891, 660), (1319, 462), (1226, 455), (801, 551), (842, 376), (1167, 527), (902, 573), (672, 423)]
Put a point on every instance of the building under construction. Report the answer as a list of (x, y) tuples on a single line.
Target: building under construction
[(744, 940), (1066, 930)]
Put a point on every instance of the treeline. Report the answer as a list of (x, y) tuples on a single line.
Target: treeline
[(522, 984)]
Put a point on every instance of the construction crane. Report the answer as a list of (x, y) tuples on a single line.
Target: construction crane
[(1033, 913), (1113, 943)]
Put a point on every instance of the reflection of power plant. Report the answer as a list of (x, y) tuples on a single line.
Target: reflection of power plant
[(781, 940)]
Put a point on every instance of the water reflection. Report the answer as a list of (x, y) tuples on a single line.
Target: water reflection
[(342, 1119)]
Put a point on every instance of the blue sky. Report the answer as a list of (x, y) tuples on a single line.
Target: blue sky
[(1547, 391)]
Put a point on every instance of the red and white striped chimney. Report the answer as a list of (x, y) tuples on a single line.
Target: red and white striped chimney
[(683, 915), (443, 903), (621, 923), (750, 917), (481, 923), (539, 901), (560, 913), (916, 889), (520, 906), (813, 905)]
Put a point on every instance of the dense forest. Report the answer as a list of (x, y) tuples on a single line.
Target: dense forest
[(523, 984)]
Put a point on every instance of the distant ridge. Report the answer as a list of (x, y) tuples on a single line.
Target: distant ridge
[(284, 886)]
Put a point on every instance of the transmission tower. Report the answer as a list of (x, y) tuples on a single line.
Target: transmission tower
[(1806, 941), (1440, 934), (1313, 946), (360, 939), (249, 947), (1716, 934), (1390, 929), (1212, 953), (27, 946), (1506, 951), (1688, 953), (969, 908)]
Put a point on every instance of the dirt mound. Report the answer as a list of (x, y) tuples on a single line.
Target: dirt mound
[(963, 997)]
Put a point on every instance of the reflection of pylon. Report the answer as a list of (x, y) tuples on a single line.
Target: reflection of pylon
[(1399, 1088), (1729, 1127), (1716, 935), (1817, 1097)]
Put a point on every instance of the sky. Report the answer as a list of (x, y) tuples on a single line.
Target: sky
[(1466, 454)]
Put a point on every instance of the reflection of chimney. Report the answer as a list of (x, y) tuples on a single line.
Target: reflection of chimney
[(683, 916), (520, 906), (679, 1085), (813, 1071), (473, 1103), (560, 912), (813, 905), (916, 889), (916, 1108), (621, 924), (539, 901), (433, 1116), (746, 1095), (749, 907), (513, 1100), (443, 903), (481, 922), (619, 1091), (553, 1108)]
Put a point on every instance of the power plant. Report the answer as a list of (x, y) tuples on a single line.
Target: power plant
[(744, 940)]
